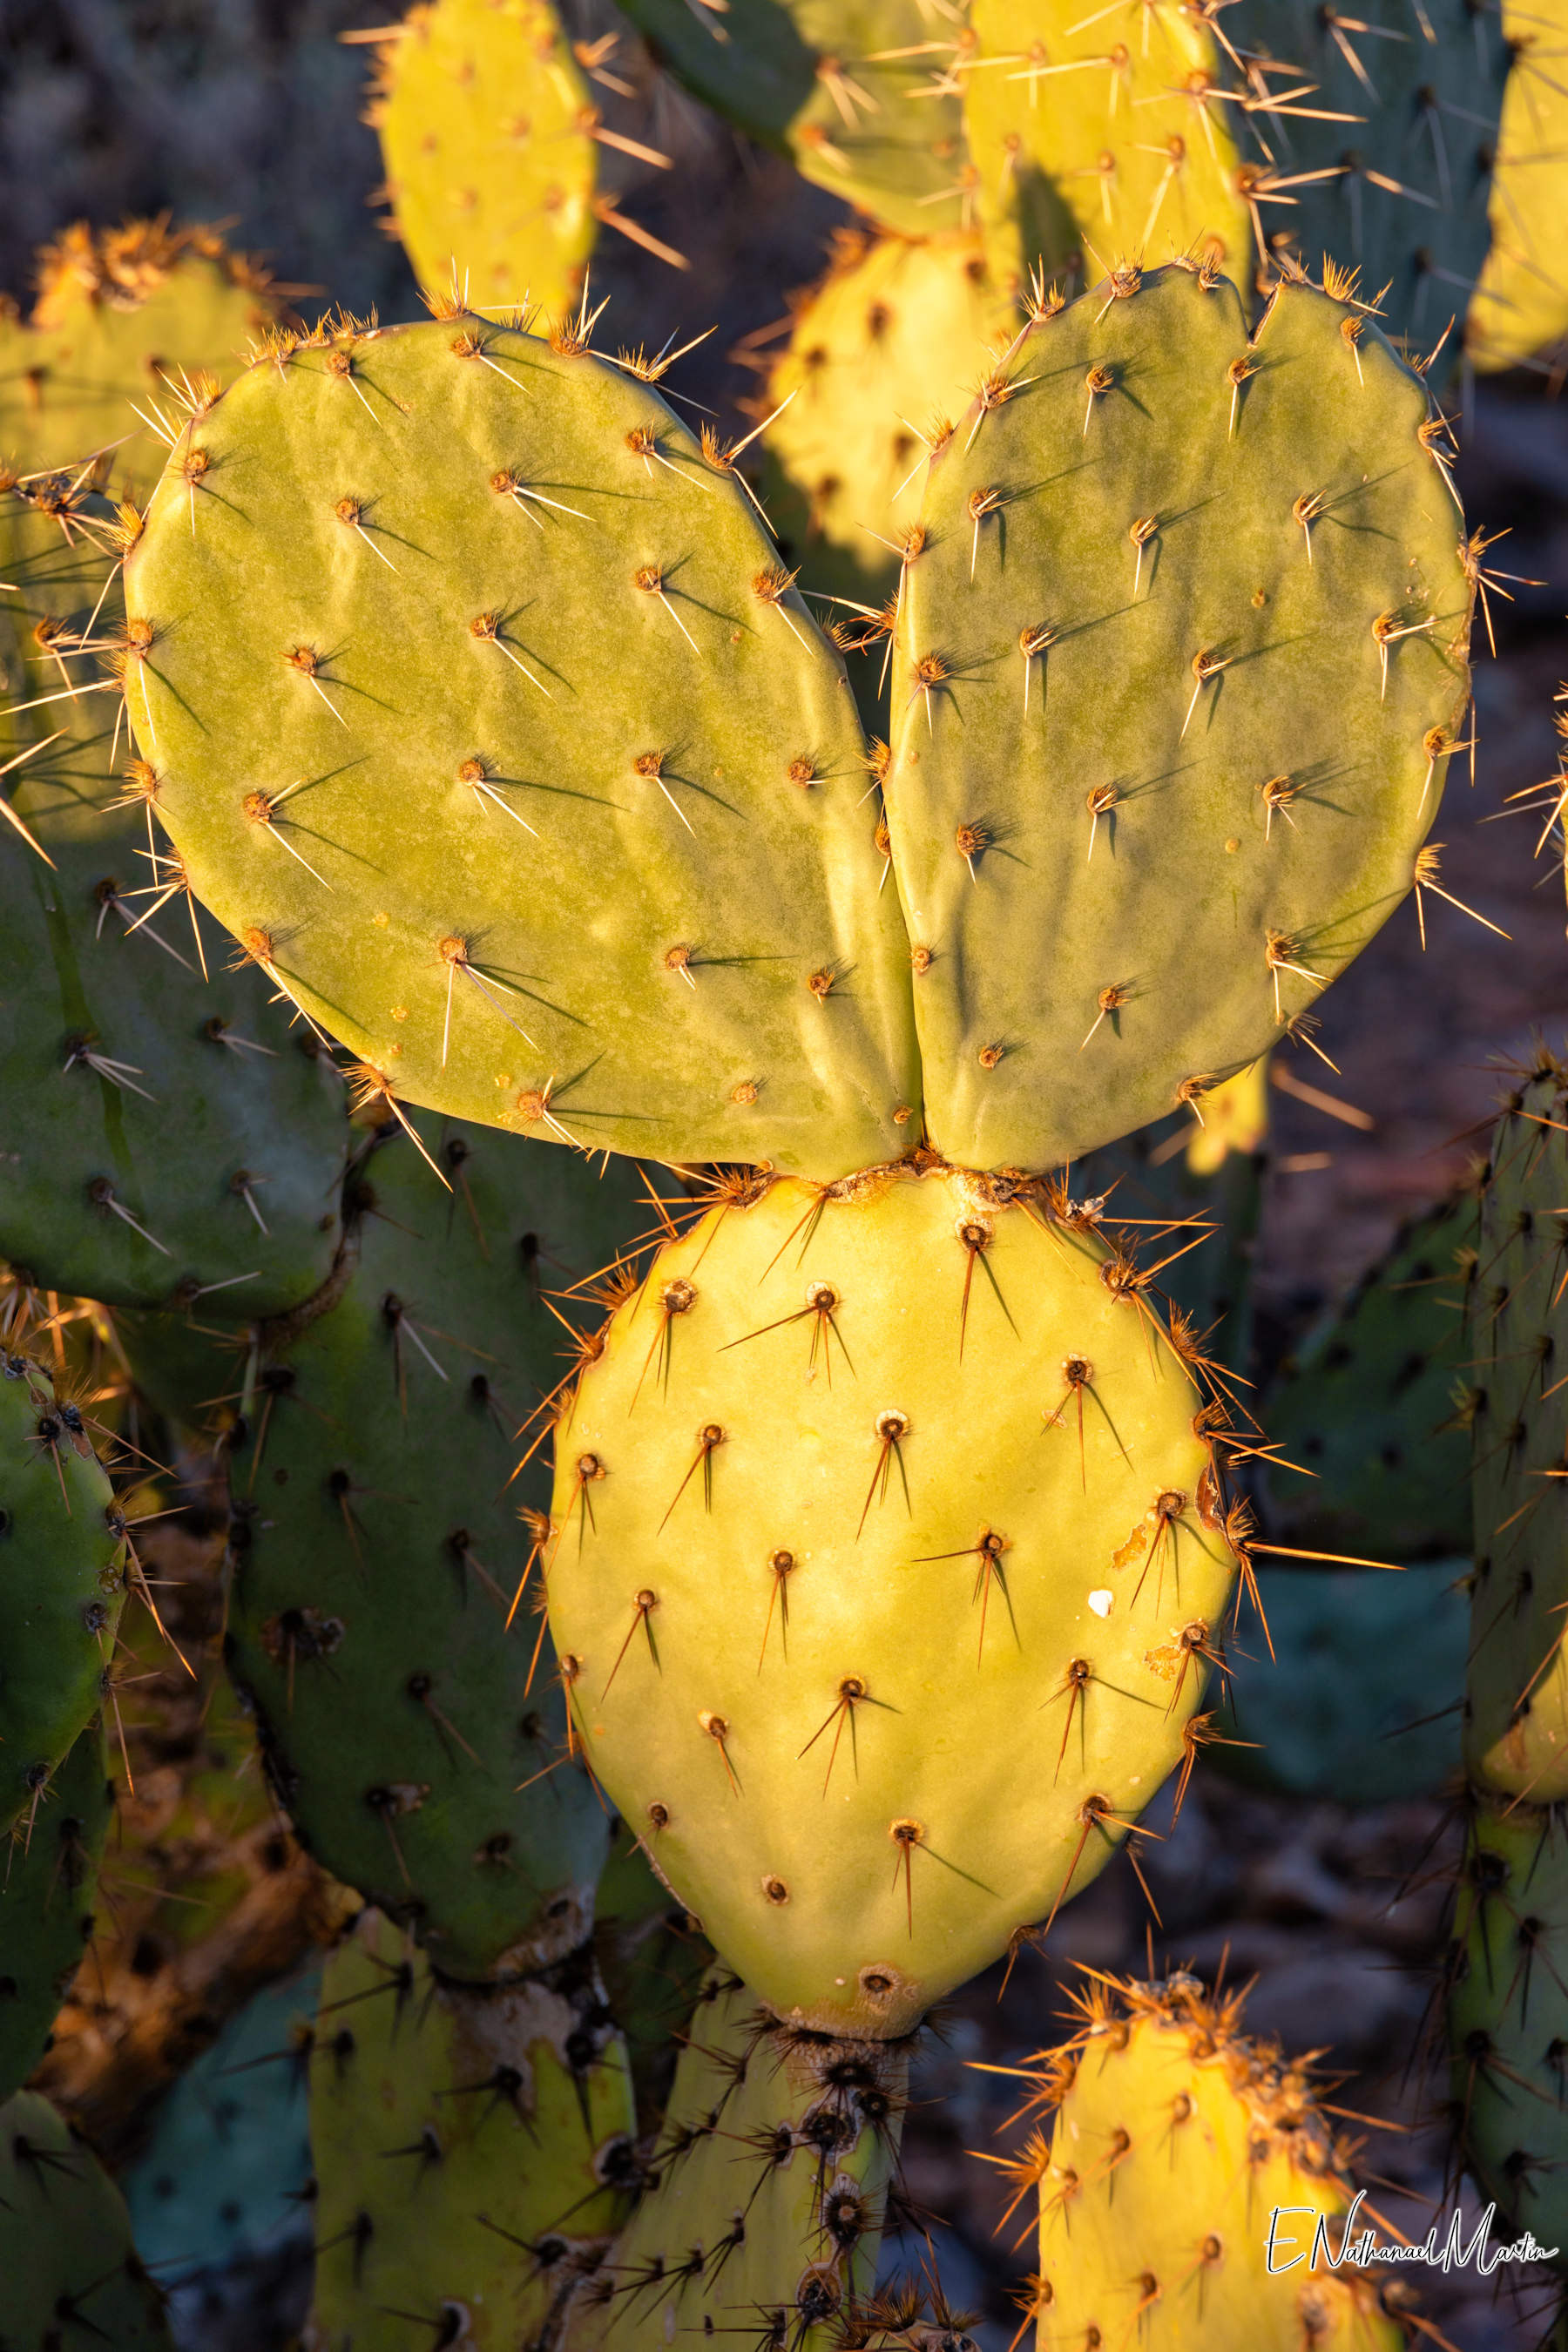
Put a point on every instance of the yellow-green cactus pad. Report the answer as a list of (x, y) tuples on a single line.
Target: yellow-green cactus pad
[(72, 2275), (484, 125), (891, 343), (1519, 309), (1508, 2013), (62, 1583), (885, 1565), (1182, 658), (576, 787), (766, 2187), (852, 90), (1187, 2171), (1516, 1726), (470, 2146), (126, 320)]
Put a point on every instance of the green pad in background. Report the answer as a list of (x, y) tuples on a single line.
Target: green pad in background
[(483, 752), (767, 2186), (1516, 1342), (70, 2268), (491, 170), (885, 1561), (1120, 134), (162, 1132), (48, 1882), (472, 2148), (1374, 1406), (1518, 313), (1226, 745), (380, 1538), (62, 1585), (126, 319), (1361, 1700), (824, 80)]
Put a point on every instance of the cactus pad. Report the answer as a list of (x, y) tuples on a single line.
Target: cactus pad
[(1508, 2013), (1516, 1729), (885, 1568), (1519, 309), (484, 120), (584, 811), (159, 1133), (1227, 576), (469, 2145), (767, 2186), (126, 319), (65, 2255), (824, 80), (47, 1884), (1376, 1406), (62, 1584), (1175, 2138), (379, 1545), (893, 332)]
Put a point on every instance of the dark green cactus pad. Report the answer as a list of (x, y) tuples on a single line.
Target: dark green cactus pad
[(160, 1133), (1360, 1700), (767, 2185), (472, 2147), (1375, 1407), (126, 320), (72, 2275), (591, 858), (48, 1877), (1516, 1342), (1227, 574), (379, 1546), (484, 125), (820, 79), (62, 1585), (887, 1553), (1508, 2013)]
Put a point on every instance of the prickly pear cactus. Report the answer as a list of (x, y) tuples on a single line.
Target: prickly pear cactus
[(484, 125), (1519, 311), (1516, 1727), (1144, 130), (163, 1133), (1201, 679), (48, 1877), (65, 2254), (766, 2187), (1376, 1406), (740, 988), (472, 2148), (126, 320), (408, 1706), (856, 1479), (848, 88), (1354, 1694), (891, 345), (62, 1584), (1175, 2144), (1508, 2011)]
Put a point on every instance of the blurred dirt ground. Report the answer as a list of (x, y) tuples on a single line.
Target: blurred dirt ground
[(249, 108)]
